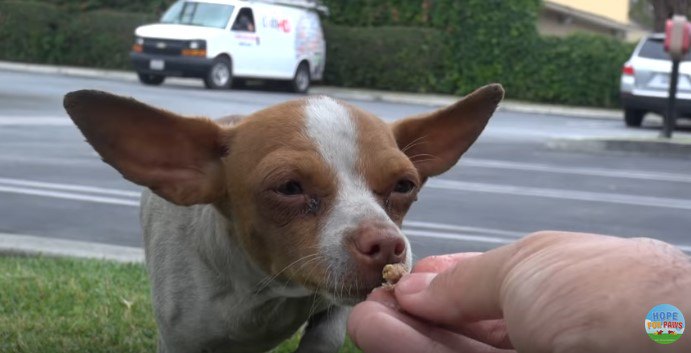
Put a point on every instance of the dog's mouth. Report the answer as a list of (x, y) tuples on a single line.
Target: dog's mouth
[(349, 295), (350, 289), (343, 283)]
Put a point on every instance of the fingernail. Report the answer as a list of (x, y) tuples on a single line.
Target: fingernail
[(414, 283)]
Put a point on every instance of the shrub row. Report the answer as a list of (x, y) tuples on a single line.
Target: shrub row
[(577, 70), (392, 58), (141, 6), (44, 33), (497, 41), (443, 46)]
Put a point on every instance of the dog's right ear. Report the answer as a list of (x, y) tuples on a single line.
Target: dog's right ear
[(178, 158)]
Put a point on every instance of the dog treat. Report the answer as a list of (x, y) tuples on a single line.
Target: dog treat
[(392, 273)]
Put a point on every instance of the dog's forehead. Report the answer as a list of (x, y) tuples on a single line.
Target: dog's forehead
[(343, 130), (333, 131)]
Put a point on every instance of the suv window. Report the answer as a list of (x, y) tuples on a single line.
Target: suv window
[(654, 48)]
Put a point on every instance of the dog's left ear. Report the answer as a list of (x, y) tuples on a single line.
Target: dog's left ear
[(434, 142)]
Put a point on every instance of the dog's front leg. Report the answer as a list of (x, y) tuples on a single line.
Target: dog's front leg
[(325, 331)]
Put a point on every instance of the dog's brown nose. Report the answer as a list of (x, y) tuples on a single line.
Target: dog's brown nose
[(377, 244)]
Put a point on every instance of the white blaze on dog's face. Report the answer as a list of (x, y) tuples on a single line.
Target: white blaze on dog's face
[(315, 189)]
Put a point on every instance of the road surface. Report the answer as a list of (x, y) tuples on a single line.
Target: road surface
[(509, 184)]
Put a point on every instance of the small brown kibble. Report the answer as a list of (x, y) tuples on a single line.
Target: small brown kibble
[(392, 273)]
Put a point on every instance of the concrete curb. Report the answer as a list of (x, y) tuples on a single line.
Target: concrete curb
[(29, 245), (436, 100), (656, 147), (440, 100)]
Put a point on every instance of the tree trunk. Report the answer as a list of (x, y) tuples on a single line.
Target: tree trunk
[(664, 9)]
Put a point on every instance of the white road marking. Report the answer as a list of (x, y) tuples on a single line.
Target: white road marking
[(69, 196), (33, 188), (69, 187), (472, 234), (605, 172), (35, 121), (562, 194), (453, 236), (463, 229), (411, 228)]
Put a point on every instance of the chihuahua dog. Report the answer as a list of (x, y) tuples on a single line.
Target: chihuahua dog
[(255, 226)]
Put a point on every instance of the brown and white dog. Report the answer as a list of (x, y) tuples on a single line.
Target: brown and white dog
[(286, 217)]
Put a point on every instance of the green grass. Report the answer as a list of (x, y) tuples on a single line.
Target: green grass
[(664, 338), (72, 305)]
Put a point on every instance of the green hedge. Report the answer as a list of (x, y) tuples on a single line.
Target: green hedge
[(496, 41), (141, 6), (577, 70), (45, 33), (30, 32), (392, 58), (103, 38), (444, 46)]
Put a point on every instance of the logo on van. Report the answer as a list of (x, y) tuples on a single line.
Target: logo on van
[(275, 23)]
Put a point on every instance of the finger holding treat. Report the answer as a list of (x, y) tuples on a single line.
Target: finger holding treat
[(392, 273)]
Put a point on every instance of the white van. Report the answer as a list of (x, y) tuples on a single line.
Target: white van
[(223, 40)]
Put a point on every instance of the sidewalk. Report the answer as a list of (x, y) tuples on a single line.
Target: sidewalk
[(29, 245), (430, 99)]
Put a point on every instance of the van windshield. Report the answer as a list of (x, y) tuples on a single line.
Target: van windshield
[(198, 14)]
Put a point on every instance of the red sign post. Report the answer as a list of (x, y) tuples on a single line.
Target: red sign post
[(677, 32)]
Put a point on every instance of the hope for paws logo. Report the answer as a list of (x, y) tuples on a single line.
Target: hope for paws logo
[(665, 324)]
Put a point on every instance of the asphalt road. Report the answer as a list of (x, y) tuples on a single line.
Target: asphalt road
[(509, 184)]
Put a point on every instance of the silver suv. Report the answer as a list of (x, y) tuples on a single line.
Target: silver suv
[(645, 81)]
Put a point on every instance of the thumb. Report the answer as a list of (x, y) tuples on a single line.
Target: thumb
[(466, 292)]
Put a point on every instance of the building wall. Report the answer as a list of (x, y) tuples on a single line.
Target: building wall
[(617, 10), (551, 24)]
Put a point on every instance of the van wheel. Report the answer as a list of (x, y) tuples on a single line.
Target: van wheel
[(633, 117), (220, 75), (301, 80), (151, 79)]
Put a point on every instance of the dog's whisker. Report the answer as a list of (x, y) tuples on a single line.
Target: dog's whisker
[(265, 282), (412, 158), (414, 143)]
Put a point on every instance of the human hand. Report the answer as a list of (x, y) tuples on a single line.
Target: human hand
[(549, 292)]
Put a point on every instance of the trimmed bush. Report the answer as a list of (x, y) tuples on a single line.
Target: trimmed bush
[(443, 46), (30, 32), (45, 33), (144, 7), (103, 38), (496, 41), (391, 58), (576, 70)]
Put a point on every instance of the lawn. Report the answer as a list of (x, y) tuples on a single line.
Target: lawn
[(664, 339), (73, 305)]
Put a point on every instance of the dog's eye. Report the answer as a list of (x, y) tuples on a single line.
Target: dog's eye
[(290, 188), (404, 186)]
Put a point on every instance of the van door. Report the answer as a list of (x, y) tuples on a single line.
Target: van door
[(246, 55)]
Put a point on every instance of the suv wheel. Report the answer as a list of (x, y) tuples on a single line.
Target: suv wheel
[(220, 75), (151, 79), (301, 80), (633, 117)]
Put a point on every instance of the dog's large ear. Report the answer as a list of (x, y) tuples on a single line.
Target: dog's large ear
[(177, 158), (434, 142)]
